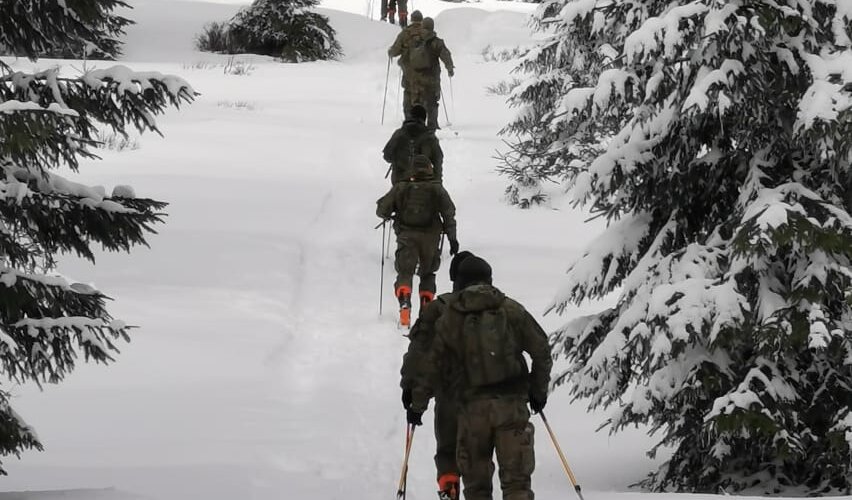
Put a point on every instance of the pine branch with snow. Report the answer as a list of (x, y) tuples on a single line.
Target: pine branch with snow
[(59, 29), (716, 138), (48, 120)]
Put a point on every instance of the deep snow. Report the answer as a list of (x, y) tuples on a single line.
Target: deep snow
[(261, 369)]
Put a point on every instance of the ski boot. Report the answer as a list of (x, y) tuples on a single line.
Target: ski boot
[(403, 294), (448, 485), (425, 298)]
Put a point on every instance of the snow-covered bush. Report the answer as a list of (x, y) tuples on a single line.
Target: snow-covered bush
[(92, 34), (286, 29), (50, 121), (716, 139)]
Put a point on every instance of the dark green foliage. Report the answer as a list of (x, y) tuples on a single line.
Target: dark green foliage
[(43, 28), (48, 121), (715, 138), (285, 29)]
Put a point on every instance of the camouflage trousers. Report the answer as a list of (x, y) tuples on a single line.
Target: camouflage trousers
[(427, 97), (501, 425), (446, 432), (413, 248)]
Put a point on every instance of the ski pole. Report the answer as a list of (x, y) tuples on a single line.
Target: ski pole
[(387, 252), (403, 477), (444, 102), (562, 457), (384, 102), (452, 97), (382, 277)]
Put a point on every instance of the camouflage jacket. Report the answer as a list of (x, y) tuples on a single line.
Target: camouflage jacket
[(413, 138), (420, 341), (393, 203), (448, 346)]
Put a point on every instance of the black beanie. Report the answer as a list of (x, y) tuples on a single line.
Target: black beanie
[(416, 16), (418, 113), (457, 260), (472, 271)]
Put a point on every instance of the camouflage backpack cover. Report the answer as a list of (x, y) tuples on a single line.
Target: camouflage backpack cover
[(419, 205), (419, 56), (490, 351)]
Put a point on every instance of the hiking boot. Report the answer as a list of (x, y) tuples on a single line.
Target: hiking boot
[(448, 485)]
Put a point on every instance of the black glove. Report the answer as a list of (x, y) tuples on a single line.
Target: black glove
[(414, 417), (454, 246), (451, 71), (406, 398), (537, 404)]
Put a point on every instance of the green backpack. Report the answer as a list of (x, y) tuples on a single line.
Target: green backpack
[(491, 354), (419, 205), (419, 56)]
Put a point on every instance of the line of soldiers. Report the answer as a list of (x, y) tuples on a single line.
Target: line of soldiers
[(467, 346)]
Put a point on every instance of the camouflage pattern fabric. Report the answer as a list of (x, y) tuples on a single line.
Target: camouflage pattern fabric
[(413, 247), (501, 425), (446, 400), (397, 150)]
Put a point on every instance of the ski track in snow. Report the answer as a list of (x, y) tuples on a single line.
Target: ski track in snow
[(262, 369)]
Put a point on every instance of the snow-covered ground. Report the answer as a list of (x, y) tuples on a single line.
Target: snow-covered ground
[(262, 369)]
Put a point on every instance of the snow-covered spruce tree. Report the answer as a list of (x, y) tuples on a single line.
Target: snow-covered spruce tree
[(715, 138), (92, 33), (48, 121), (286, 29)]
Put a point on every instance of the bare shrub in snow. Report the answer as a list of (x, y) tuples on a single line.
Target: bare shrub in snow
[(241, 105), (503, 87), (215, 37), (115, 142), (237, 67)]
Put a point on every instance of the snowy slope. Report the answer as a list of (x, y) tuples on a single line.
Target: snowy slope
[(262, 369)]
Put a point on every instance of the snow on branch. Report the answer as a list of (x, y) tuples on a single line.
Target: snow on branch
[(663, 29)]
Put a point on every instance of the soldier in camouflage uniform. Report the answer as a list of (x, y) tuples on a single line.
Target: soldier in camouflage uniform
[(422, 210), (446, 397), (413, 138), (486, 333), (419, 50)]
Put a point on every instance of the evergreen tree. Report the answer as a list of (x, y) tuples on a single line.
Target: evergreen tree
[(47, 121), (716, 139), (44, 28), (285, 29)]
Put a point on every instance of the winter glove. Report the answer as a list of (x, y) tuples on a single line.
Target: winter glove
[(536, 403), (406, 398), (451, 72), (454, 246), (414, 417)]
